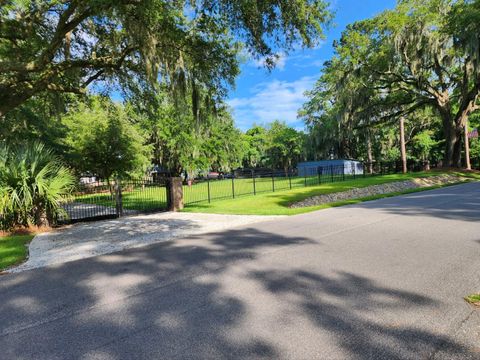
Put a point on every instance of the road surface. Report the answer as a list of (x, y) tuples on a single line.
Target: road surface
[(379, 280)]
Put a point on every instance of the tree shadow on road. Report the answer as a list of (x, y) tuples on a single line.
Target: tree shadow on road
[(85, 307), (172, 301), (356, 312)]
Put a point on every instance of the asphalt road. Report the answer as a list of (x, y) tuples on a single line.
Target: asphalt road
[(379, 280)]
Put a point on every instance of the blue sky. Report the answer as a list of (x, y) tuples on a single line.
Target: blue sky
[(261, 97)]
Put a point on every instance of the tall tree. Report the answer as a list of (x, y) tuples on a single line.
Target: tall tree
[(66, 45), (410, 58), (185, 140), (255, 146), (102, 140), (285, 146)]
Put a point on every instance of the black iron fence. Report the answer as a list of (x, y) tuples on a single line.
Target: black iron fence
[(126, 197), (252, 182), (256, 181)]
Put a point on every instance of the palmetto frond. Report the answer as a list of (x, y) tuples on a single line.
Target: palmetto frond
[(33, 183)]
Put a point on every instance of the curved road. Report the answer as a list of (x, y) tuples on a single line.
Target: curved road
[(379, 280)]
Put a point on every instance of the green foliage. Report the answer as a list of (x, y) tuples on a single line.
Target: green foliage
[(423, 143), (182, 140), (33, 183), (39, 118), (255, 145), (276, 146), (285, 145), (64, 46), (420, 56), (102, 141), (223, 146), (474, 123)]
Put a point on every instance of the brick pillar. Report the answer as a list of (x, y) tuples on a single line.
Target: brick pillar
[(176, 194)]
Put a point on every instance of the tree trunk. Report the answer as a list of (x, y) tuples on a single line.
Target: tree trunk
[(467, 147), (457, 149), (454, 126), (369, 152), (402, 145), (450, 141), (426, 163), (452, 155)]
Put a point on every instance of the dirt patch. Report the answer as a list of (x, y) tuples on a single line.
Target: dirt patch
[(372, 190), (26, 230)]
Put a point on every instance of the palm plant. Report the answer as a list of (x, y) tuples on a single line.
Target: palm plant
[(33, 183)]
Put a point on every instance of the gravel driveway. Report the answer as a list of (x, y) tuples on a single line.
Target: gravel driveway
[(85, 240)]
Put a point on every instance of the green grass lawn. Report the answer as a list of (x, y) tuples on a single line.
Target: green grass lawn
[(150, 198), (272, 196), (13, 249), (277, 203)]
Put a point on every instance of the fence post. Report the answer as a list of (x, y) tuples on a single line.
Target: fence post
[(331, 172), (318, 175), (233, 184), (118, 198), (353, 170), (208, 188), (343, 173), (363, 169), (273, 181), (254, 186), (290, 179), (305, 176)]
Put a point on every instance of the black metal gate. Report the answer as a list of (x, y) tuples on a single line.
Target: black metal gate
[(104, 200)]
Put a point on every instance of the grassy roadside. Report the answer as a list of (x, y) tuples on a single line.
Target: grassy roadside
[(473, 299), (277, 203), (13, 249)]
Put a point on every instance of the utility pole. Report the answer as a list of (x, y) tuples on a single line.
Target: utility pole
[(402, 145), (467, 147)]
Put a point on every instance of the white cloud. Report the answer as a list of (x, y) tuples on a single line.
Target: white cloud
[(275, 100)]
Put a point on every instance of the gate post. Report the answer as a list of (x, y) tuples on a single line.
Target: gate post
[(175, 194)]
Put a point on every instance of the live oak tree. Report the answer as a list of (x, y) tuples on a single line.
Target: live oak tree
[(69, 45), (333, 110), (423, 54)]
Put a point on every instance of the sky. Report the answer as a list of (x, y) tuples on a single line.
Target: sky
[(261, 97)]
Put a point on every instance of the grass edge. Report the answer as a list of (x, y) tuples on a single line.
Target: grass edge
[(382, 196), (473, 299), (21, 259)]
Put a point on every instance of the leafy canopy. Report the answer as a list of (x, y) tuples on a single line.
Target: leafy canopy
[(66, 45), (102, 141), (424, 54)]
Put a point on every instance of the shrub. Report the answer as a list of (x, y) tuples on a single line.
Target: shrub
[(33, 183)]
